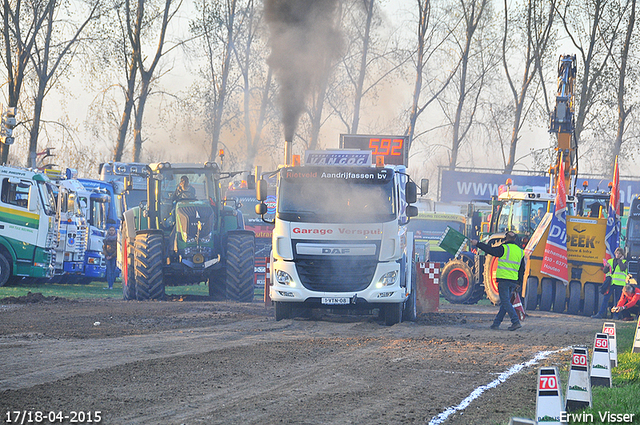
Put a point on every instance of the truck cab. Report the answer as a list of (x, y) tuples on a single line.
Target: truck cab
[(27, 217), (341, 236)]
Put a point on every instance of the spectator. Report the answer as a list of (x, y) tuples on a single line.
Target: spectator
[(629, 303), (616, 272), (109, 250)]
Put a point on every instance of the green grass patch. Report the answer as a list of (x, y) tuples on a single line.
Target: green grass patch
[(93, 290), (624, 395), (97, 289)]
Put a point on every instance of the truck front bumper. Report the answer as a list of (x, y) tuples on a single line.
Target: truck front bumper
[(373, 294)]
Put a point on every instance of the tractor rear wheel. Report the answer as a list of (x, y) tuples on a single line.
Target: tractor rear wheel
[(148, 264), (490, 282), (457, 284), (240, 266)]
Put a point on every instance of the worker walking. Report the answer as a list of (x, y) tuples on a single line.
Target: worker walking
[(509, 274)]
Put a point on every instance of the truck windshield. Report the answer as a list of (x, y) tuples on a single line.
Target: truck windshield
[(325, 195)]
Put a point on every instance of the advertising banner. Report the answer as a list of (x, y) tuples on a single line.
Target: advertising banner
[(554, 263)]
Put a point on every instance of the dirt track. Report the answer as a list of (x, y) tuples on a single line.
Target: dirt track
[(202, 362)]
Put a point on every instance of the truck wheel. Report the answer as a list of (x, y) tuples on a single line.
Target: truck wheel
[(590, 299), (410, 309), (490, 282), (392, 314), (546, 298), (216, 283), (148, 266), (5, 269), (457, 283), (128, 272), (240, 266), (283, 310), (575, 289), (560, 297), (531, 295)]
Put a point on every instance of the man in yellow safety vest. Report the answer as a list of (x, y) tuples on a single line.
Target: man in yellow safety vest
[(616, 277), (509, 273)]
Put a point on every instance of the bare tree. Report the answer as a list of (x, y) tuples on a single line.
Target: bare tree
[(429, 42), (468, 85), (593, 27), (537, 29), (22, 23), (622, 66), (49, 57), (257, 88)]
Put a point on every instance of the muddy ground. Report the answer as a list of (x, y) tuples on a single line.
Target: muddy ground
[(193, 361)]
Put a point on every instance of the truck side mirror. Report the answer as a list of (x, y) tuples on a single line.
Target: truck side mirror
[(410, 192), (411, 211), (424, 186), (261, 190), (261, 208), (621, 208), (128, 185)]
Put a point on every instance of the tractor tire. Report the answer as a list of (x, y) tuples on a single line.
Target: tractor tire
[(560, 299), (531, 295), (457, 284), (392, 314), (283, 310), (575, 289), (490, 282), (546, 298), (5, 269), (410, 309), (240, 274), (148, 266), (591, 305), (216, 284), (128, 274)]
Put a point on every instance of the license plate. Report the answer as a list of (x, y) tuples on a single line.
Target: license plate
[(336, 301)]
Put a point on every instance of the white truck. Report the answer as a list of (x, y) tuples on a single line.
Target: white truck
[(27, 218), (340, 238)]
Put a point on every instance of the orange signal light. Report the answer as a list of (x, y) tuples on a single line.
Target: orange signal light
[(379, 161), (221, 153), (296, 160), (509, 182)]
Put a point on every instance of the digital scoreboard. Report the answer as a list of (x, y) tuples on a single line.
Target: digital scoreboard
[(393, 149)]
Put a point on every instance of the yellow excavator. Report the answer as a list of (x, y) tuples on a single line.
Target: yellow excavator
[(586, 221)]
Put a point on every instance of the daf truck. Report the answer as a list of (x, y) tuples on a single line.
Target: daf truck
[(341, 236)]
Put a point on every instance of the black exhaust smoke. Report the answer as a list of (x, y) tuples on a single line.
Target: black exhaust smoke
[(303, 39)]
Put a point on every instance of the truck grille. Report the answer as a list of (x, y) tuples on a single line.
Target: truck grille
[(336, 275)]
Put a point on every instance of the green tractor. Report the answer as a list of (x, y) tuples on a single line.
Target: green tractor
[(186, 234)]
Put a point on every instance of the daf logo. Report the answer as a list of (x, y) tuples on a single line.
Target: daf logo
[(335, 251)]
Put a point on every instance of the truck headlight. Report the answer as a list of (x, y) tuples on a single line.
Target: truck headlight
[(387, 279), (284, 278)]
